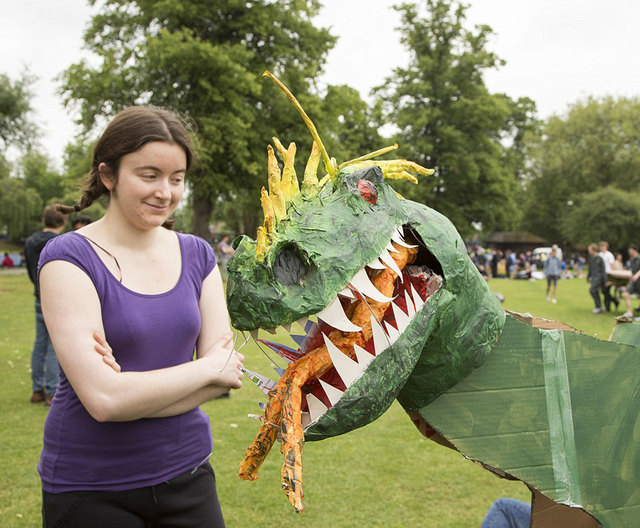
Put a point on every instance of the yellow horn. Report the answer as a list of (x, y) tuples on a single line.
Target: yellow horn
[(312, 128), (275, 190)]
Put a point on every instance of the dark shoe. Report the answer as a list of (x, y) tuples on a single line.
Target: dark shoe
[(48, 400), (38, 397)]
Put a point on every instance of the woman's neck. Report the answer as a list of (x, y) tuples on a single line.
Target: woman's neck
[(116, 232)]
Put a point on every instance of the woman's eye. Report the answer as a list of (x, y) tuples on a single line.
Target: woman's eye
[(149, 176), (177, 181)]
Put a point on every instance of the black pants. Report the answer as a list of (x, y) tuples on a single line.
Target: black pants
[(187, 501), (594, 290)]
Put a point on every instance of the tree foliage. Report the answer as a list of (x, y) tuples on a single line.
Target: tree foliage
[(16, 124), (595, 145), (20, 208), (448, 120), (204, 58), (606, 214)]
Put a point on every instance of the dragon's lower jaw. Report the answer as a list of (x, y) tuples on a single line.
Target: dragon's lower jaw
[(337, 367)]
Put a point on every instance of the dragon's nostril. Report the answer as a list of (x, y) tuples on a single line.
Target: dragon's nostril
[(289, 267)]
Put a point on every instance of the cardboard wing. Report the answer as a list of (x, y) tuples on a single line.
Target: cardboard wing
[(558, 410)]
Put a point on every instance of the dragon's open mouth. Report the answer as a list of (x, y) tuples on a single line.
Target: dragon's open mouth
[(362, 322)]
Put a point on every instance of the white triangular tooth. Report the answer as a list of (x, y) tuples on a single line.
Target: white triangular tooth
[(254, 334), (392, 332), (410, 308), (388, 260), (402, 319), (316, 407), (417, 300), (332, 393), (305, 419), (272, 331), (346, 292), (364, 358), (376, 264), (380, 340), (400, 231), (255, 417), (391, 248), (397, 238), (287, 327), (348, 369), (302, 323), (362, 284), (334, 316)]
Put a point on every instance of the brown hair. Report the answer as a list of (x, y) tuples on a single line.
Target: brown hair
[(128, 132), (52, 217)]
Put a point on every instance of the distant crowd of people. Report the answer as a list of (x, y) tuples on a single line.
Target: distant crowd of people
[(495, 263), (610, 277)]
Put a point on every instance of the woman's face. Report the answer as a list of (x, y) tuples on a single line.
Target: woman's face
[(150, 184)]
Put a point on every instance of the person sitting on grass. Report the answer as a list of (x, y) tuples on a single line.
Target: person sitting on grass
[(634, 284)]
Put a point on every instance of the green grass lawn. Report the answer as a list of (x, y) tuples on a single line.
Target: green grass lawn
[(385, 474)]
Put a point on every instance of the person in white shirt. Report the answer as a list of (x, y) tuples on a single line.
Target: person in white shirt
[(608, 259)]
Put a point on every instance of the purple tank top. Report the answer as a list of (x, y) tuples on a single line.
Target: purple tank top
[(146, 332)]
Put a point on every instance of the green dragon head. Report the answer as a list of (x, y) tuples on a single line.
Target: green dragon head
[(316, 254)]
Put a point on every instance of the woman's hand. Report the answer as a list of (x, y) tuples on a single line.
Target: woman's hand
[(103, 348), (226, 363)]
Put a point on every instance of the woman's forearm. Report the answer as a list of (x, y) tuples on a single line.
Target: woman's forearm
[(208, 393)]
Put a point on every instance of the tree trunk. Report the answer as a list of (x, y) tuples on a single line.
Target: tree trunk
[(202, 209)]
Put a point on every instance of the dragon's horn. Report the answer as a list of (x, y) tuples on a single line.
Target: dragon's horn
[(311, 170), (366, 157), (281, 150), (290, 187), (312, 128), (275, 189)]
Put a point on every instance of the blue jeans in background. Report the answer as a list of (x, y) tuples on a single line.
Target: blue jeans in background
[(44, 364), (508, 513)]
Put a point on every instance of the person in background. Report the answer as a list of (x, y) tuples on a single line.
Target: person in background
[(7, 261), (44, 365), (81, 221), (226, 252), (509, 263), (596, 277), (508, 513), (138, 319), (552, 270), (608, 260), (634, 284)]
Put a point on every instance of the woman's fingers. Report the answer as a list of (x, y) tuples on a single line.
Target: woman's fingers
[(103, 348)]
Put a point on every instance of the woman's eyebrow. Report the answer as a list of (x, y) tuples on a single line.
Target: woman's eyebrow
[(157, 169)]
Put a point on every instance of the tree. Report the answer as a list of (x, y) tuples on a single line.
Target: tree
[(16, 125), (204, 58), (20, 208), (606, 214), (448, 120), (595, 145)]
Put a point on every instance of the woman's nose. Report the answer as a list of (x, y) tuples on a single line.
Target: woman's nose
[(162, 189)]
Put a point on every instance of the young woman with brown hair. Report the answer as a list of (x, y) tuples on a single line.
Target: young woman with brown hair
[(126, 302)]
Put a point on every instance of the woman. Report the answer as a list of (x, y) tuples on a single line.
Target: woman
[(126, 301)]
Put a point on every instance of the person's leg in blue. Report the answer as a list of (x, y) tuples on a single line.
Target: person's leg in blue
[(508, 513)]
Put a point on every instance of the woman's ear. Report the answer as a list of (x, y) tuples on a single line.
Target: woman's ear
[(106, 176)]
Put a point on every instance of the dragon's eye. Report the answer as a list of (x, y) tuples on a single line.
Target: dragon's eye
[(289, 267), (368, 191)]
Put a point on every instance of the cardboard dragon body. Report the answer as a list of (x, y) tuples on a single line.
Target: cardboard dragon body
[(403, 313)]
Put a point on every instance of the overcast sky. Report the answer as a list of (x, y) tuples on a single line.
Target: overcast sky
[(557, 51)]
